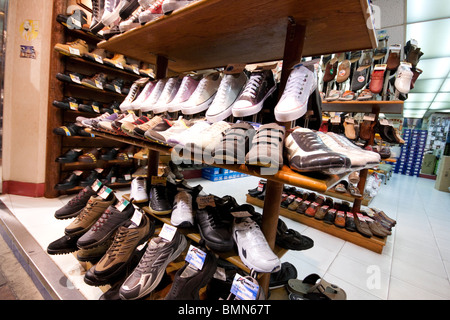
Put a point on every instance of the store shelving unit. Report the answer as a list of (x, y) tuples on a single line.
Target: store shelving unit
[(214, 33)]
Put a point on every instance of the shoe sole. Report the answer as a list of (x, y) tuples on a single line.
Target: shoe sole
[(102, 240), (161, 271), (172, 6), (200, 107), (72, 215), (60, 252), (159, 213), (245, 112)]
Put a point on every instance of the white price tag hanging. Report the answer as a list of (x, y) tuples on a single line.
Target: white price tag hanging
[(98, 58), (122, 204), (75, 78), (136, 218), (167, 232), (104, 192), (73, 106), (244, 289), (119, 65), (74, 51), (196, 257), (96, 185)]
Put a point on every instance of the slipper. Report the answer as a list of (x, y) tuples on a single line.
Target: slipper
[(393, 60), (366, 94), (349, 129), (341, 186), (330, 70), (347, 96), (333, 95), (377, 81), (267, 146), (359, 78), (343, 71), (313, 287), (365, 130), (354, 191), (354, 177)]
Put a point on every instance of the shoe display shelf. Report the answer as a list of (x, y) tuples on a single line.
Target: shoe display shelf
[(373, 243), (195, 37), (56, 117)]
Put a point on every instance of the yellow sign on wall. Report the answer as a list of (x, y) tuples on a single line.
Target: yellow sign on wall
[(29, 29)]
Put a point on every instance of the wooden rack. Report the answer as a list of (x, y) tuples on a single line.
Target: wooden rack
[(214, 33)]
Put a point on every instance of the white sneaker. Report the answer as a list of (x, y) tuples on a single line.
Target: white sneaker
[(132, 21), (372, 158), (151, 100), (167, 95), (131, 96), (208, 138), (229, 90), (182, 214), (139, 190), (293, 103), (203, 95), (171, 5), (111, 12), (196, 129), (253, 248), (187, 87), (143, 95)]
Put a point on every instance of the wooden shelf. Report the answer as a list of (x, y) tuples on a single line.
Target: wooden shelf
[(214, 33), (390, 107), (193, 234), (375, 244), (315, 181)]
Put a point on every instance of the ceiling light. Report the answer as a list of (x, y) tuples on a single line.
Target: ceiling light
[(419, 10)]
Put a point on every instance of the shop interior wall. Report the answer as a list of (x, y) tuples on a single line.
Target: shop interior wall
[(26, 97)]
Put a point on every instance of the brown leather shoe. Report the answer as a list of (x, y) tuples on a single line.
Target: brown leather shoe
[(321, 212), (312, 209), (339, 220), (91, 156), (393, 60), (361, 225)]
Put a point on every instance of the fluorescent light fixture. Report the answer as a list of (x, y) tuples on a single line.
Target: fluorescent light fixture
[(427, 85), (440, 105), (420, 10), (434, 68), (432, 36), (414, 113), (443, 97), (446, 86), (421, 97)]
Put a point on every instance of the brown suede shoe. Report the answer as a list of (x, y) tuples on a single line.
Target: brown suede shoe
[(339, 220)]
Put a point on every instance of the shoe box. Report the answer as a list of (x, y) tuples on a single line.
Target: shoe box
[(412, 152), (219, 174)]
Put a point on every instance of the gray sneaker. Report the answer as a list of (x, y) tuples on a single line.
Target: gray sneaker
[(150, 270), (103, 228)]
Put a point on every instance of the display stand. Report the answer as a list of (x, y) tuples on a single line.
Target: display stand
[(196, 38)]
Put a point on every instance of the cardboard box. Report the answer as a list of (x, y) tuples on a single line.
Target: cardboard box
[(428, 163), (443, 175)]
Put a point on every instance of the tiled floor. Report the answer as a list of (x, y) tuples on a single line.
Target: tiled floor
[(415, 263)]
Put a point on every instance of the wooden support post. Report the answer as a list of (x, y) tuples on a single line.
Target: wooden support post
[(295, 37)]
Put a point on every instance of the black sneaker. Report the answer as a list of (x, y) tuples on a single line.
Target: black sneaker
[(189, 280), (65, 104), (76, 204), (280, 278), (63, 245), (105, 226)]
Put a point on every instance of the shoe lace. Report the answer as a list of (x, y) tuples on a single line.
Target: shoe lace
[(85, 211), (257, 236), (95, 8), (148, 256), (133, 91), (78, 197), (296, 83), (110, 5), (118, 239), (252, 85), (101, 221), (222, 91), (214, 218)]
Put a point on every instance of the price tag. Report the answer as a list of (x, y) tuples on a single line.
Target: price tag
[(158, 180), (196, 257), (135, 69), (104, 192), (136, 218), (240, 214), (75, 78), (74, 51), (350, 120), (380, 67), (204, 201), (96, 108), (98, 84), (244, 289), (260, 186), (167, 232), (73, 106), (336, 119), (122, 204), (369, 117), (384, 122), (350, 214), (98, 58), (127, 176), (117, 88), (78, 172), (119, 65), (341, 213), (76, 22), (96, 185)]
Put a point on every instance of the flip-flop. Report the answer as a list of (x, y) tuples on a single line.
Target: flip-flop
[(313, 287)]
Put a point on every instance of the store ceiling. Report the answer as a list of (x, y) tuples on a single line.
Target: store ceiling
[(428, 22)]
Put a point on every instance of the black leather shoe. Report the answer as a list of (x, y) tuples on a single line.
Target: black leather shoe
[(68, 183), (214, 227), (89, 180), (70, 156), (159, 200)]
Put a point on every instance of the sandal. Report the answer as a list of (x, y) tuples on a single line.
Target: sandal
[(313, 287), (354, 191), (341, 186), (347, 96), (267, 146)]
